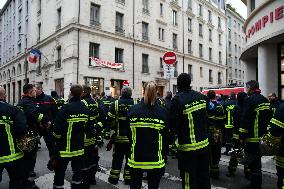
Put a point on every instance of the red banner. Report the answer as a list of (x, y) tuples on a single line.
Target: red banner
[(98, 62)]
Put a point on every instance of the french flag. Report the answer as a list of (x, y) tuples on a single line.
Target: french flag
[(35, 54)]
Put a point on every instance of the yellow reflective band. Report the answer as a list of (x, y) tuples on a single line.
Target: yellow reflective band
[(150, 125), (110, 115), (116, 107), (235, 136), (252, 140), (133, 131), (100, 124), (79, 119), (229, 126), (220, 117), (186, 180), (277, 122), (146, 165), (243, 130), (40, 116), (10, 139), (121, 137), (12, 157), (56, 136), (122, 118), (86, 103), (71, 154), (194, 108), (69, 132), (160, 147), (191, 128), (256, 125), (92, 118), (194, 146)]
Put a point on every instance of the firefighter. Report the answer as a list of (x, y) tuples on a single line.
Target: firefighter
[(91, 156), (118, 114), (69, 134), (105, 103), (255, 119), (59, 101), (47, 106), (188, 120), (12, 126), (232, 122), (274, 101), (147, 134), (277, 129), (216, 117), (36, 122)]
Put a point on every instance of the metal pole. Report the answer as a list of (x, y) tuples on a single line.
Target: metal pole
[(26, 64), (133, 45), (169, 84)]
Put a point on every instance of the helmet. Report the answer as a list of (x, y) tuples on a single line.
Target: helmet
[(269, 145)]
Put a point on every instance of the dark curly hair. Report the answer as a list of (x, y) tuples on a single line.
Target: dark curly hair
[(183, 81)]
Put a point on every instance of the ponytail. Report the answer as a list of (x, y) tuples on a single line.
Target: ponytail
[(150, 91)]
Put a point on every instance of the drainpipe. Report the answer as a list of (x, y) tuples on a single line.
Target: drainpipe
[(78, 41)]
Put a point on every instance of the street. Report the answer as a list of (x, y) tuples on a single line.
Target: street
[(170, 180)]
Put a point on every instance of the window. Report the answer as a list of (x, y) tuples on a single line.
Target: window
[(219, 78), (236, 73), (94, 51), (219, 22), (229, 21), (210, 76), (200, 30), (200, 10), (145, 4), (39, 7), (19, 47), (236, 60), (236, 49), (190, 71), (230, 46), (58, 61), (121, 2), (20, 15), (200, 50), (58, 19), (145, 32), (95, 15), (175, 41), (118, 55), (239, 50), (230, 35), (161, 34), (235, 24), (161, 9), (252, 5), (189, 45), (209, 16), (240, 74), (27, 7), (174, 17), (119, 23), (220, 57), (189, 22), (201, 72), (210, 35), (39, 31), (161, 63), (176, 72), (210, 54), (189, 4), (220, 39), (145, 68), (239, 26)]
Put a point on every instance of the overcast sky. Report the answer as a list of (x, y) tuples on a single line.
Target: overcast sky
[(238, 4)]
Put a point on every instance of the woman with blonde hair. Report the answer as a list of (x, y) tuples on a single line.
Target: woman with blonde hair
[(147, 136)]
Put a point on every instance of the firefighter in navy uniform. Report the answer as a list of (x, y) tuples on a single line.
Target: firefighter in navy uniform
[(117, 115), (256, 115), (93, 130), (47, 106), (147, 134), (59, 101), (277, 130), (274, 101), (105, 103), (12, 127), (69, 134), (188, 120), (232, 125), (36, 122), (216, 118)]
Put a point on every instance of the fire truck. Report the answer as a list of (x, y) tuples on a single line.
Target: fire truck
[(227, 90)]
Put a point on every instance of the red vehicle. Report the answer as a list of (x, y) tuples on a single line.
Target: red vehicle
[(225, 90)]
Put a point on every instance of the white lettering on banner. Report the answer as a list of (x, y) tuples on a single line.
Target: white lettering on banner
[(98, 62)]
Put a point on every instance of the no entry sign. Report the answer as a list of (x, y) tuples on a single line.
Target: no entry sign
[(170, 57)]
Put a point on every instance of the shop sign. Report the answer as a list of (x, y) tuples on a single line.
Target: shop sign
[(98, 62), (261, 23)]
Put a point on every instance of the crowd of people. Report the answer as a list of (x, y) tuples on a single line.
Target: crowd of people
[(142, 132)]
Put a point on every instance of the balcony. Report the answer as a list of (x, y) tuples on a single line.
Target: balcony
[(58, 27), (58, 63), (122, 2), (119, 30), (145, 37), (146, 11), (95, 23)]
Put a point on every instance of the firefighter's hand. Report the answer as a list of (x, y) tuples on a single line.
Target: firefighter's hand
[(109, 146)]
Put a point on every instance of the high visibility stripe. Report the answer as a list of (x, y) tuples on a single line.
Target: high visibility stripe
[(256, 125), (194, 108), (279, 161), (150, 125), (71, 154), (40, 116), (229, 126), (122, 118), (191, 128), (243, 130), (92, 118), (86, 103), (186, 180), (252, 140), (114, 171), (69, 133), (116, 106), (110, 115), (12, 157), (235, 136), (133, 131), (100, 124), (56, 136), (283, 184), (73, 120), (277, 122), (146, 165), (194, 146), (10, 139), (160, 147)]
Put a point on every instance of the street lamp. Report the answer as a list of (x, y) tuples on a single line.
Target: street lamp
[(26, 61)]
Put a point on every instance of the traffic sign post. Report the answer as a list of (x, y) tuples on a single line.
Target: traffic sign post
[(170, 59)]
